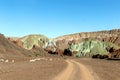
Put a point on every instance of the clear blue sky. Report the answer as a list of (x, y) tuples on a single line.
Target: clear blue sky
[(57, 17)]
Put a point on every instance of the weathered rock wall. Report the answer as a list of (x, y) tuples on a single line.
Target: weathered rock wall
[(112, 36)]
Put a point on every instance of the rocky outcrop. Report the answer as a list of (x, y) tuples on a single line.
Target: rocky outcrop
[(90, 47), (16, 41), (37, 51), (115, 54), (112, 36), (29, 41)]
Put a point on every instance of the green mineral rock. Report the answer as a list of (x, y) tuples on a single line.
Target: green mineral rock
[(89, 47)]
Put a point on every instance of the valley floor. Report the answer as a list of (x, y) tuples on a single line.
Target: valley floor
[(50, 68)]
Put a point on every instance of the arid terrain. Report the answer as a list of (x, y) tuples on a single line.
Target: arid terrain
[(59, 39), (36, 57), (51, 68)]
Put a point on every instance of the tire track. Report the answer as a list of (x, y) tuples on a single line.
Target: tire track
[(74, 68)]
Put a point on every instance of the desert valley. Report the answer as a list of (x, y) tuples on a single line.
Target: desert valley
[(80, 56)]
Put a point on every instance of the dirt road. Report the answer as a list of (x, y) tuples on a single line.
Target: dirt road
[(57, 69), (75, 71)]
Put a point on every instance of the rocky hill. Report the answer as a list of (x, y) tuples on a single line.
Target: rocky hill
[(33, 43), (112, 36), (9, 50), (90, 47), (29, 41), (83, 43)]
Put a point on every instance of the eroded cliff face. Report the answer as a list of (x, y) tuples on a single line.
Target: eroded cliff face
[(81, 43), (112, 36), (63, 42)]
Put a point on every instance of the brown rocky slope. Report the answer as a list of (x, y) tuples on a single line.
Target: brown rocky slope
[(9, 50), (112, 36), (105, 39)]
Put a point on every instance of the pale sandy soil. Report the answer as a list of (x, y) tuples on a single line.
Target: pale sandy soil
[(61, 69)]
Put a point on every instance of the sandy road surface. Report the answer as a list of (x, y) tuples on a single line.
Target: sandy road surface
[(75, 71), (38, 70)]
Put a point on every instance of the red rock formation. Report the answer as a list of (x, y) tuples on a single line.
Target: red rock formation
[(109, 36), (16, 41)]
